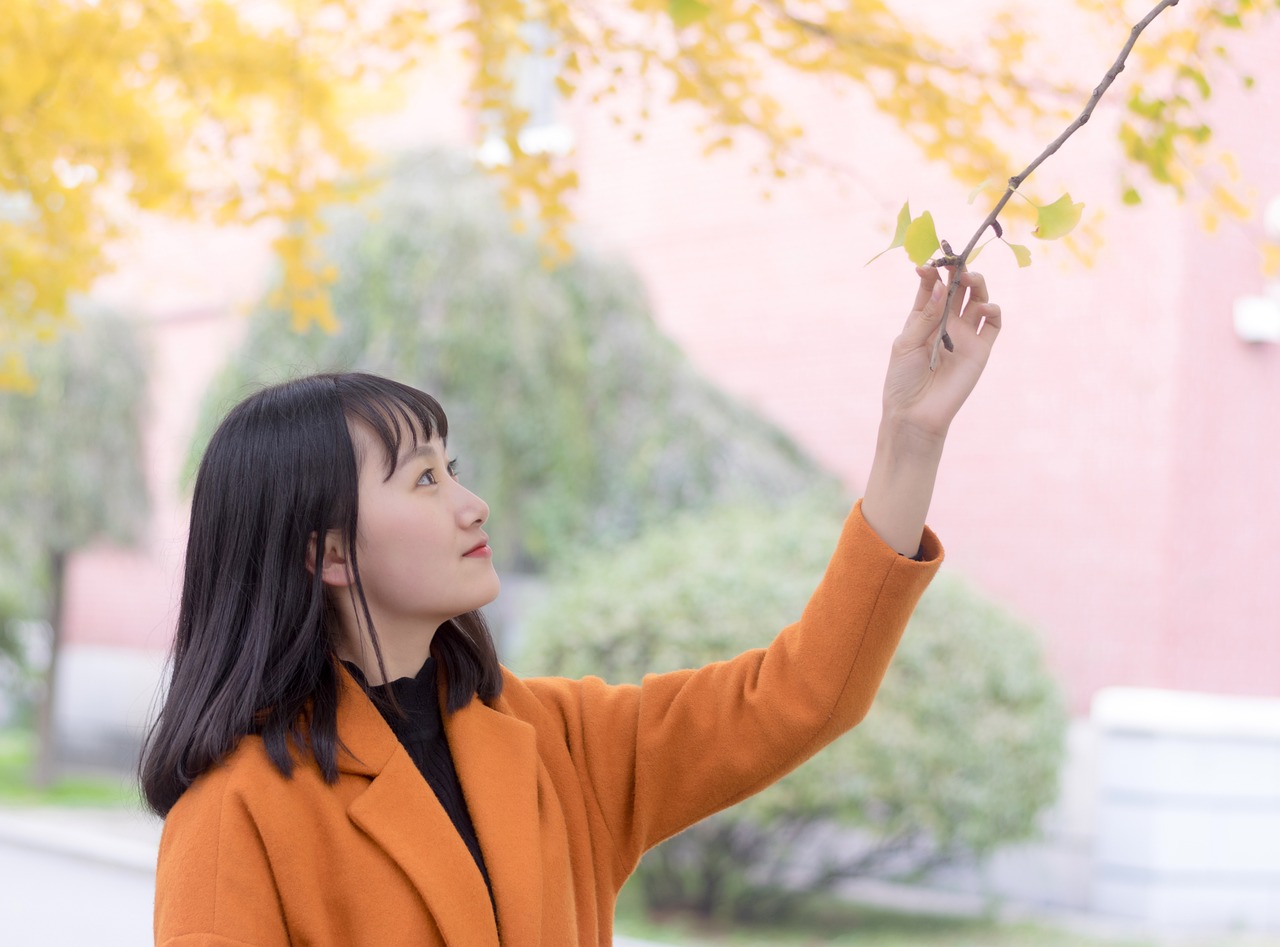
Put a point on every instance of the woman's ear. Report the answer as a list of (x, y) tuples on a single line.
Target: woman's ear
[(333, 559)]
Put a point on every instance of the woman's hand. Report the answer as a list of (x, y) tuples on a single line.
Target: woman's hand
[(924, 402), (919, 404)]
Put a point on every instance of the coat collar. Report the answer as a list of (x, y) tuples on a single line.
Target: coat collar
[(495, 755)]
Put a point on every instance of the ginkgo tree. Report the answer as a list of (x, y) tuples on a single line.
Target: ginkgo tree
[(243, 110)]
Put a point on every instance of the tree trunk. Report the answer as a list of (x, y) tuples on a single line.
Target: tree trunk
[(46, 734)]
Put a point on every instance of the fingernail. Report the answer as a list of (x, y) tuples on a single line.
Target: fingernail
[(937, 292)]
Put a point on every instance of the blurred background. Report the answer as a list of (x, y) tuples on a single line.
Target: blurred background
[(626, 245)]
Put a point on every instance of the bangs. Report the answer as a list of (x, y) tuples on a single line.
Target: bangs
[(396, 413)]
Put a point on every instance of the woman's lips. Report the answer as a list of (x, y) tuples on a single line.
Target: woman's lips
[(481, 551)]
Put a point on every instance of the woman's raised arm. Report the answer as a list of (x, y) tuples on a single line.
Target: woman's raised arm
[(920, 404)]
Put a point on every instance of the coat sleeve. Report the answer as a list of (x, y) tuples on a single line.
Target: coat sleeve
[(659, 756), (214, 884)]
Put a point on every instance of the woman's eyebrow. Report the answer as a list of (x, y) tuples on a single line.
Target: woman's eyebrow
[(421, 451)]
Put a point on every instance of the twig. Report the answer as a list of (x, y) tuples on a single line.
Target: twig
[(957, 261)]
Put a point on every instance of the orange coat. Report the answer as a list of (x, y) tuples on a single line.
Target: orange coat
[(567, 782)]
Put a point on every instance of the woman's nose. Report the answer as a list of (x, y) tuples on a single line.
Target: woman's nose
[(472, 510)]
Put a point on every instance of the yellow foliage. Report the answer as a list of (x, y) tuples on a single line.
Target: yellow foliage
[(1271, 260), (242, 111), (180, 106)]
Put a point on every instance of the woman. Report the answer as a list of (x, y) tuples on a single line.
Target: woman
[(332, 550)]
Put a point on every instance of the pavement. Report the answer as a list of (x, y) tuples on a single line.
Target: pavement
[(76, 877), (71, 877)]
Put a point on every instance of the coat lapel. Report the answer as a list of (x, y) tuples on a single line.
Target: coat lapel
[(496, 757), (401, 814)]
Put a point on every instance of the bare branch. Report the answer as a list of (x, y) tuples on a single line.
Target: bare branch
[(1016, 181)]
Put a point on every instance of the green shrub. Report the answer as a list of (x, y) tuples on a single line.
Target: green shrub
[(959, 754), (573, 415)]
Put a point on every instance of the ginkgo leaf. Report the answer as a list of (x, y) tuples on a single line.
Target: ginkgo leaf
[(1057, 219), (921, 239), (685, 12), (1020, 253), (973, 195), (976, 250), (899, 233)]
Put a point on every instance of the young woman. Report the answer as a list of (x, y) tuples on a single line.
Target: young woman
[(340, 758)]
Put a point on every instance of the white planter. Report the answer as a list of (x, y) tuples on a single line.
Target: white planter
[(1188, 829)]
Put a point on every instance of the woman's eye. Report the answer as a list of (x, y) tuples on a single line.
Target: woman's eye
[(428, 477)]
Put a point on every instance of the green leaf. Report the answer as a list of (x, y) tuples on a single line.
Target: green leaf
[(686, 12), (976, 250), (1020, 253), (899, 233), (1131, 196), (904, 221), (1197, 77), (921, 239), (1057, 219)]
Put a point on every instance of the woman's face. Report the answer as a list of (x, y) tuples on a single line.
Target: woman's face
[(421, 550)]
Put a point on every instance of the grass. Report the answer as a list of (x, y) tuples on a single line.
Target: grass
[(837, 925), (834, 923), (17, 755)]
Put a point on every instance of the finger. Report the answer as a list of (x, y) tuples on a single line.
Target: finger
[(926, 316), (928, 276), (981, 323), (990, 326), (979, 311), (976, 283)]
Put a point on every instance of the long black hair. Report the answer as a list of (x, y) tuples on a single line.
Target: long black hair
[(255, 648)]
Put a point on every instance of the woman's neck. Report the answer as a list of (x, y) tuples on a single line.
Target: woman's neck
[(402, 654)]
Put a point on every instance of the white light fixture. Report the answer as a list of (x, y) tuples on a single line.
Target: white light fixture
[(1271, 220), (1257, 318)]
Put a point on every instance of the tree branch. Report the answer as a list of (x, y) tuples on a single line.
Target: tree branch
[(957, 261)]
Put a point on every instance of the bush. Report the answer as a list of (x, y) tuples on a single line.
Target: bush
[(959, 754), (573, 415)]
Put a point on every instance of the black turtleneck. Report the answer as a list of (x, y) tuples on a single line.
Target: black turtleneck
[(421, 733)]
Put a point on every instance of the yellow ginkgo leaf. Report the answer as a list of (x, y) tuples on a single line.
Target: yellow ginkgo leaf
[(1057, 219), (1020, 253), (904, 221), (899, 233), (921, 239)]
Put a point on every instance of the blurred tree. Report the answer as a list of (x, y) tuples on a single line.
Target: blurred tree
[(72, 474), (959, 754), (573, 416), (244, 111)]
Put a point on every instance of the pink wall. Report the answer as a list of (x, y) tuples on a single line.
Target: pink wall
[(1110, 482), (1222, 613)]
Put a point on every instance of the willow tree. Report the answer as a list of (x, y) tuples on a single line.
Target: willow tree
[(243, 111)]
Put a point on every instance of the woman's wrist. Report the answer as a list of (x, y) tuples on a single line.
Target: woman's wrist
[(905, 436), (900, 484)]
